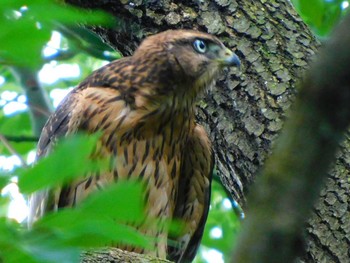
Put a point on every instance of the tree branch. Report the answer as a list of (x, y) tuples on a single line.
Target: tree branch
[(20, 138), (12, 150), (60, 55), (282, 198), (37, 99), (119, 256)]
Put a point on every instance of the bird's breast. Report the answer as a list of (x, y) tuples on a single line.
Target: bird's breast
[(150, 155)]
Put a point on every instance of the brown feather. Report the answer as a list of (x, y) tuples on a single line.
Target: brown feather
[(144, 107)]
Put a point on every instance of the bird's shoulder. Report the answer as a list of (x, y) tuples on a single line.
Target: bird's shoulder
[(113, 75), (83, 109)]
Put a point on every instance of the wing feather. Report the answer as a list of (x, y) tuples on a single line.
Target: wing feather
[(193, 200), (81, 110)]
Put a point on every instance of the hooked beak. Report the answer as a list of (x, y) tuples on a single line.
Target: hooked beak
[(230, 59)]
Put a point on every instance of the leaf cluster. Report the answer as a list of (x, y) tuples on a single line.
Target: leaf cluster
[(99, 221), (320, 15), (223, 218), (27, 25)]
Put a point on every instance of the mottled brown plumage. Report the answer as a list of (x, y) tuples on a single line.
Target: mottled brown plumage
[(144, 107)]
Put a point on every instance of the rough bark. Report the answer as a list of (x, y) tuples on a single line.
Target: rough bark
[(118, 256), (283, 197), (246, 110)]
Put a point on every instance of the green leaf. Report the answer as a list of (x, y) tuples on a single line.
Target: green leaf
[(60, 236), (18, 124), (9, 240), (4, 205), (113, 202), (15, 124), (4, 180), (25, 26), (49, 251), (311, 10), (10, 81), (101, 219), (21, 42), (15, 246), (71, 158), (320, 15), (84, 39), (16, 254), (222, 218), (49, 11), (88, 230)]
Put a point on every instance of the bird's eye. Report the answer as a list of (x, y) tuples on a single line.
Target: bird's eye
[(200, 46)]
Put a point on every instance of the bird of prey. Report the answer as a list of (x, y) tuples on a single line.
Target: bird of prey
[(144, 108)]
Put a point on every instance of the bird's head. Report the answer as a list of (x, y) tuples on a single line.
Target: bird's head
[(184, 58)]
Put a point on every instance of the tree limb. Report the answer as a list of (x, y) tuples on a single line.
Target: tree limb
[(37, 99), (119, 256), (282, 198), (20, 138), (60, 55)]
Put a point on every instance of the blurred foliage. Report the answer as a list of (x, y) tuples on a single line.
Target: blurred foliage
[(97, 222), (18, 123), (64, 161), (321, 15), (223, 219), (27, 25), (84, 40), (25, 29)]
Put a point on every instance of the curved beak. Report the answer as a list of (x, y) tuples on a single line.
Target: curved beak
[(233, 60), (230, 59)]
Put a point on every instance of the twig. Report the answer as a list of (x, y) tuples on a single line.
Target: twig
[(39, 110), (20, 138), (60, 55), (12, 150)]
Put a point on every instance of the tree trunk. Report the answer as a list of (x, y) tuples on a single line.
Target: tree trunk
[(246, 110)]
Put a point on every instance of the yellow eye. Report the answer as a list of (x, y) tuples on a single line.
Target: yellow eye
[(200, 46)]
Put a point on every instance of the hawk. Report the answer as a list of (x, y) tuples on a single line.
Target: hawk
[(144, 108)]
